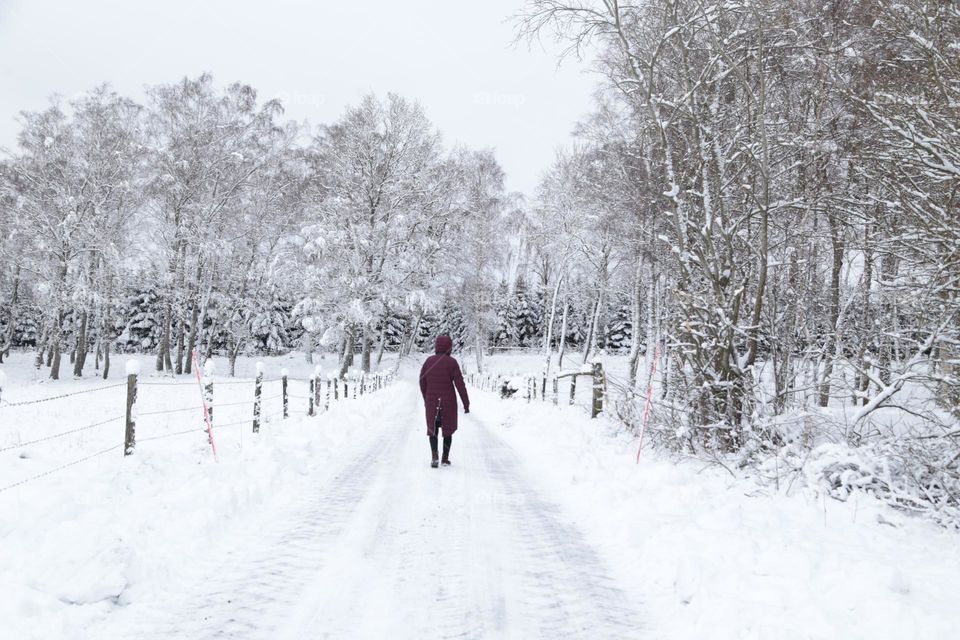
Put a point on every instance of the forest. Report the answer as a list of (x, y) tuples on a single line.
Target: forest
[(765, 200)]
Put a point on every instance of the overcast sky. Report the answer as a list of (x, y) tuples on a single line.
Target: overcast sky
[(456, 58)]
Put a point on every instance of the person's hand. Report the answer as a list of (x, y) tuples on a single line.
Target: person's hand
[(466, 409)]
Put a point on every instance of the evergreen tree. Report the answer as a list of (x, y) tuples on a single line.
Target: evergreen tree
[(143, 328), (618, 331), (452, 323), (268, 328), (505, 333), (427, 333), (396, 324), (525, 314)]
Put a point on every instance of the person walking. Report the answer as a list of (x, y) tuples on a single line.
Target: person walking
[(439, 376)]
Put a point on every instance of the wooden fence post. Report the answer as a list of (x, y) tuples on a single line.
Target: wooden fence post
[(313, 391), (257, 392), (573, 387), (326, 402), (317, 385), (346, 387), (286, 398), (130, 434), (597, 389), (556, 389), (356, 383)]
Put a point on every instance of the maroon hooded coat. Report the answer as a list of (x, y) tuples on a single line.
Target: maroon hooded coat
[(439, 376)]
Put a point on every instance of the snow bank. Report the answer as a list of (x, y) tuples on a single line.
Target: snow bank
[(86, 547), (716, 556)]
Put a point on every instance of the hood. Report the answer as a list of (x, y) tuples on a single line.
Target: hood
[(444, 345)]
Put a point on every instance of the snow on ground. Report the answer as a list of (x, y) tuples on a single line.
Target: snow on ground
[(714, 556), (335, 526), (89, 540)]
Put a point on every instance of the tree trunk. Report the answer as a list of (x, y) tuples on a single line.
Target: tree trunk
[(836, 240), (413, 337), (56, 334), (548, 339), (163, 356), (233, 350), (635, 311), (192, 336), (81, 346), (592, 333), (563, 334), (180, 345), (382, 345), (12, 315), (346, 359), (106, 359), (55, 362), (478, 342), (54, 355), (366, 348)]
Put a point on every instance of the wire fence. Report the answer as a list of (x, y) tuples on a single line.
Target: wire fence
[(132, 418), (23, 403), (62, 434), (161, 412), (548, 388), (60, 468)]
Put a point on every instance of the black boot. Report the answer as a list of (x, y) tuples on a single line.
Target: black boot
[(447, 441), (435, 462)]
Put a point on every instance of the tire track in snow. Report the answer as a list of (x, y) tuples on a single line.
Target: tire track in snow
[(256, 586), (400, 570), (471, 551), (391, 548), (564, 584)]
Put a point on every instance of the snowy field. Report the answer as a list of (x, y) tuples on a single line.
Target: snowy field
[(335, 526)]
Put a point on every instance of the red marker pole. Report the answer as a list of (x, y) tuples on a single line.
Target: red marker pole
[(646, 406), (206, 412)]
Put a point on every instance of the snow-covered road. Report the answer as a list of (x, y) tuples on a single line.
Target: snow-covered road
[(385, 546)]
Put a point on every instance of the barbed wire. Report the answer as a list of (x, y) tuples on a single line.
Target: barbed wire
[(193, 383), (60, 435), (60, 468), (142, 414), (170, 435), (233, 424), (62, 395), (218, 405)]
